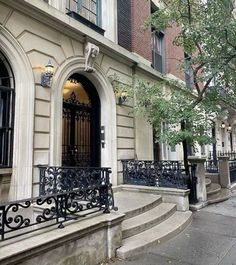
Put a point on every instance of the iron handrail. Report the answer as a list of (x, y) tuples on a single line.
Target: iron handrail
[(18, 218), (155, 173)]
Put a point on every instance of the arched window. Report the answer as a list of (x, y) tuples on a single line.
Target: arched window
[(7, 98)]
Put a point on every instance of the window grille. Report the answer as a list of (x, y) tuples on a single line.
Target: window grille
[(7, 100), (89, 9)]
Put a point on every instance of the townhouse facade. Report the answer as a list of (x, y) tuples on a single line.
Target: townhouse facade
[(58, 106)]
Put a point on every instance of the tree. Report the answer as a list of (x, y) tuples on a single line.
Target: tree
[(207, 35)]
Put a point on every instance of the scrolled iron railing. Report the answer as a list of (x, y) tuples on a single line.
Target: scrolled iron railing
[(212, 166), (58, 202), (230, 154), (155, 173)]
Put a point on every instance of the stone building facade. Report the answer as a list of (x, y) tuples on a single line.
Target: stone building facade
[(85, 42), (34, 32)]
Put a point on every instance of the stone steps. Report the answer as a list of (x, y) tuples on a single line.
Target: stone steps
[(222, 195), (215, 193), (208, 182), (155, 235), (148, 221), (134, 203), (214, 188)]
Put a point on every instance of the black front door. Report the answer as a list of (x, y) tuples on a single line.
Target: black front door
[(81, 124)]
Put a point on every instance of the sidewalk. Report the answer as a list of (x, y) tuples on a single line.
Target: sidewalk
[(209, 240)]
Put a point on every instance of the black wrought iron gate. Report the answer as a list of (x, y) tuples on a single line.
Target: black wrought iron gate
[(78, 133)]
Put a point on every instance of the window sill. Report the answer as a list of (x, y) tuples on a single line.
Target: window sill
[(5, 171), (85, 22)]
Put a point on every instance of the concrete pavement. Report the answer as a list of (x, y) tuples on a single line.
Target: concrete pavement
[(209, 240)]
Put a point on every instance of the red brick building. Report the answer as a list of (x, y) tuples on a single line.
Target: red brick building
[(155, 47)]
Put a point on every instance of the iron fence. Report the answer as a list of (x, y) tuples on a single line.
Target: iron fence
[(154, 173), (60, 203), (212, 166), (55, 179), (230, 154)]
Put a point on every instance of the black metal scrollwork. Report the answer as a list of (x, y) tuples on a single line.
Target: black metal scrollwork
[(65, 193), (154, 173)]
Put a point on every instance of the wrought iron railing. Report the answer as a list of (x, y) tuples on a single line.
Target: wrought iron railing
[(55, 179), (230, 154), (212, 166), (90, 192), (155, 173)]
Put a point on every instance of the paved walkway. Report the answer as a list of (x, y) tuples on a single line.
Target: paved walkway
[(209, 240)]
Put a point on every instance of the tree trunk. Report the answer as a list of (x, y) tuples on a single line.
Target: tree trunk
[(185, 149)]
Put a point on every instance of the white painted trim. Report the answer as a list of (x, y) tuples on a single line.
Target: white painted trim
[(21, 181), (108, 112)]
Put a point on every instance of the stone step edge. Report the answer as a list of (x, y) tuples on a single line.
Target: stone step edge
[(144, 222), (213, 189), (221, 196), (143, 209), (208, 182), (121, 253)]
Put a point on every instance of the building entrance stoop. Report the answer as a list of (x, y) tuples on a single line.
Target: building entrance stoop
[(215, 193), (148, 221)]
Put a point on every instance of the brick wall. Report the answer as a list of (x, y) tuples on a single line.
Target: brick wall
[(173, 54), (141, 40), (131, 17)]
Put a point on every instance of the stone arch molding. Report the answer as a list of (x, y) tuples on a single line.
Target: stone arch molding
[(21, 180), (108, 112)]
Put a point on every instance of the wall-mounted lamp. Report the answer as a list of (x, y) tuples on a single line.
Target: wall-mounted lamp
[(46, 76), (222, 125), (121, 97), (229, 129)]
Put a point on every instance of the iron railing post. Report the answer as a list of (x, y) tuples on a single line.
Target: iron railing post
[(42, 171), (106, 191), (2, 221), (193, 184)]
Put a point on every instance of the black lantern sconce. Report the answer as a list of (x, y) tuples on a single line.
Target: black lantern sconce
[(122, 98), (46, 76), (228, 128)]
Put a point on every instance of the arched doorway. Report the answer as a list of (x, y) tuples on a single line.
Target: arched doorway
[(81, 123)]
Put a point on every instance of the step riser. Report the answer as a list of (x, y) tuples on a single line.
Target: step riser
[(215, 194), (129, 253), (143, 209), (215, 191), (224, 194), (208, 182), (136, 230)]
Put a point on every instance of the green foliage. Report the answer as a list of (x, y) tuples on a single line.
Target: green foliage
[(166, 108), (207, 33)]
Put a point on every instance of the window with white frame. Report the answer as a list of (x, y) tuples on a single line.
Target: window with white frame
[(88, 9), (158, 51), (7, 100)]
